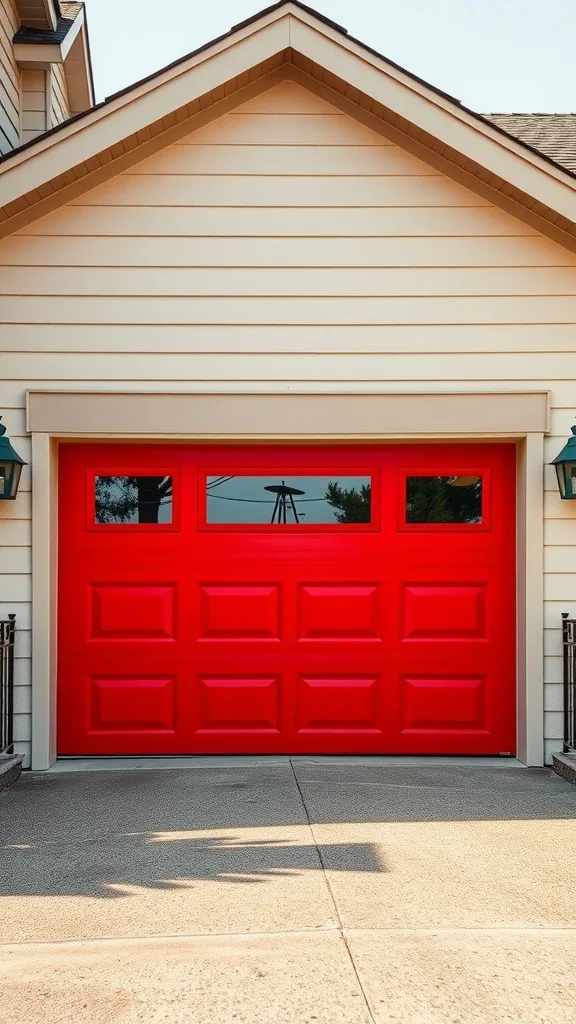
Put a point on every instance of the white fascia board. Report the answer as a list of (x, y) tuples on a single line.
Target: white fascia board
[(79, 82), (48, 53), (51, 13), (37, 54), (71, 34), (438, 116), (138, 108)]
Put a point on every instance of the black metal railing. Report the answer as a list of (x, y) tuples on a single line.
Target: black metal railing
[(569, 678), (7, 630)]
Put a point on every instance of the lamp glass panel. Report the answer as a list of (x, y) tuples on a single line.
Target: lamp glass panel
[(9, 478)]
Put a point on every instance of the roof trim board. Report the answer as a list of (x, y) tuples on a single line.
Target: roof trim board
[(294, 27), (78, 71), (103, 127)]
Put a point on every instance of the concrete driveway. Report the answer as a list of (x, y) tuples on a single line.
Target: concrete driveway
[(289, 891)]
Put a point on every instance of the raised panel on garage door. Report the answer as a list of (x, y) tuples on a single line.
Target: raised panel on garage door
[(286, 599)]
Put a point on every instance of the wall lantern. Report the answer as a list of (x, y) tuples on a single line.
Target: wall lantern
[(565, 463), (10, 468)]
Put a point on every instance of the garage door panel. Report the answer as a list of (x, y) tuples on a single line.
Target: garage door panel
[(240, 611), (443, 610), (443, 702), (340, 610), (133, 611), (337, 703), (471, 612), (133, 703), (341, 630), (232, 703)]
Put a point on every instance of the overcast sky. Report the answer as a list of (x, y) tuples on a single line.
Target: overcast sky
[(493, 55)]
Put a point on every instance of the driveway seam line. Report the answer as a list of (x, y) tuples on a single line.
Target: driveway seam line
[(340, 926), (533, 930), (24, 944), (348, 930)]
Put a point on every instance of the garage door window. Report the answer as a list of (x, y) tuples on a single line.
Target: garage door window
[(289, 500), (450, 500), (133, 500)]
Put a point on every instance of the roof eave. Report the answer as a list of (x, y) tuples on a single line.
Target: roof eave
[(49, 47), (290, 26), (49, 9)]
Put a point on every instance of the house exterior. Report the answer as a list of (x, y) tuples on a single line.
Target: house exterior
[(287, 340), (45, 72)]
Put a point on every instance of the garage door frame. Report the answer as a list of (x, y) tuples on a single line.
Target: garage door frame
[(54, 416)]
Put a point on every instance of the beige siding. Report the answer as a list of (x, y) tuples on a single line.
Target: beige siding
[(34, 113), (58, 107), (9, 80), (288, 246)]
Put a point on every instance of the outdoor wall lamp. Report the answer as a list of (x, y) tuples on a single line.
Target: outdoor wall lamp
[(10, 467), (565, 463)]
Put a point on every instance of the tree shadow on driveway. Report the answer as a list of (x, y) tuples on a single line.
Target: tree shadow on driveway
[(104, 833)]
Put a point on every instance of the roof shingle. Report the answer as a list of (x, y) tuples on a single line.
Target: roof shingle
[(554, 135)]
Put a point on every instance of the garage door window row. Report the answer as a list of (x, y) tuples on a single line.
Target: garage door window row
[(289, 500)]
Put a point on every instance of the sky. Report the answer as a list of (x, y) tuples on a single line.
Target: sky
[(493, 55)]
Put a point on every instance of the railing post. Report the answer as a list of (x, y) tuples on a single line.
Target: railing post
[(569, 681), (7, 634)]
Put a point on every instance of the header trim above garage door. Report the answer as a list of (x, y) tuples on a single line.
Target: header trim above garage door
[(261, 415)]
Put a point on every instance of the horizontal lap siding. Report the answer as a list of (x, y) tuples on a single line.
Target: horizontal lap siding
[(59, 107), (291, 338), (9, 80), (311, 283), (288, 246), (390, 229), (146, 190), (90, 246), (191, 366)]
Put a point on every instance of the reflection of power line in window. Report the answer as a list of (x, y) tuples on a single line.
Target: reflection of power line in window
[(217, 481), (260, 501)]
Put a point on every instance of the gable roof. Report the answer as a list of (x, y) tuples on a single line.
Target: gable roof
[(290, 35), (68, 10)]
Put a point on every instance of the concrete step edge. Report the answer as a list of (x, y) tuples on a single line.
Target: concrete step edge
[(565, 766), (10, 769)]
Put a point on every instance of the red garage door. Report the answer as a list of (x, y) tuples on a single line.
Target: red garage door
[(286, 599)]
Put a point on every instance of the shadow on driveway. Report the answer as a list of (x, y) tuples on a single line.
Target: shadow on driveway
[(102, 833)]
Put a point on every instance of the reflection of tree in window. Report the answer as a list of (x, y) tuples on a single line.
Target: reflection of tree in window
[(133, 499), (443, 499), (352, 506)]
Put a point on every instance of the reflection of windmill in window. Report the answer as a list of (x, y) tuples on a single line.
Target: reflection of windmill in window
[(296, 499), (284, 497)]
